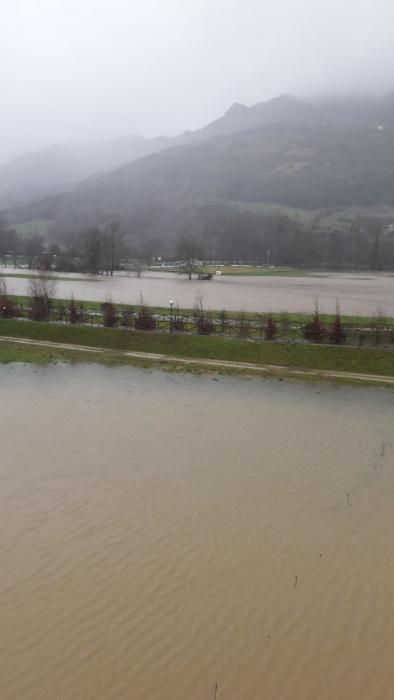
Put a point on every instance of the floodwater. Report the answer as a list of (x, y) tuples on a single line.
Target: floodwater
[(162, 534), (362, 294)]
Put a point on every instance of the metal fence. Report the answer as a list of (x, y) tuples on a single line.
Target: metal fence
[(379, 332)]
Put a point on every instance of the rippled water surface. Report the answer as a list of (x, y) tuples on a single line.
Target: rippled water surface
[(164, 533), (357, 293)]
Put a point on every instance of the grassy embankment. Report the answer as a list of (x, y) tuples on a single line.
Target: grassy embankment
[(115, 342)]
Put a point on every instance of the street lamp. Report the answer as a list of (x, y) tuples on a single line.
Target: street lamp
[(171, 305)]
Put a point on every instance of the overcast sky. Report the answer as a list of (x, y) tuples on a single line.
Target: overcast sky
[(77, 69)]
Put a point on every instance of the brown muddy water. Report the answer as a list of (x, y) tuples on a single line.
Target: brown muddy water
[(165, 533), (362, 294)]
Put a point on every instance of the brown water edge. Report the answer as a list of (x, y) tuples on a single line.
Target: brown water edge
[(163, 533)]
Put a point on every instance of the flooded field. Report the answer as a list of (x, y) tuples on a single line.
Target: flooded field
[(361, 294), (162, 534)]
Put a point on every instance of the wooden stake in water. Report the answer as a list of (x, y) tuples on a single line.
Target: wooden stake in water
[(216, 691)]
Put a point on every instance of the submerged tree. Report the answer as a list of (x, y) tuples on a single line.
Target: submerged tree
[(189, 250)]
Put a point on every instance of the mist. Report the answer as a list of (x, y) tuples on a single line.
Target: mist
[(98, 69)]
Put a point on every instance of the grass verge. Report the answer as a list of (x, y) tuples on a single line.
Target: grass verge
[(314, 357)]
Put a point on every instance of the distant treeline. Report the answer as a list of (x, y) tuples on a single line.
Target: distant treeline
[(212, 233)]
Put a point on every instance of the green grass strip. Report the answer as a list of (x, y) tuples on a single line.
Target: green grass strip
[(346, 359)]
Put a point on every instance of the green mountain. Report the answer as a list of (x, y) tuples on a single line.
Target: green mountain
[(312, 157)]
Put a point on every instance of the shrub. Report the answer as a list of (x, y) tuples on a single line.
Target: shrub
[(75, 314), (110, 316), (145, 321), (126, 319), (270, 328), (243, 326), (205, 326), (337, 334), (40, 289), (39, 310), (223, 320), (7, 308), (59, 312), (314, 331)]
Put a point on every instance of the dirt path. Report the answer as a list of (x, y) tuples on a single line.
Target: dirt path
[(211, 364)]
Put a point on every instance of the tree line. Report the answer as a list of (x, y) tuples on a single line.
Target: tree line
[(211, 233), (94, 249), (365, 243)]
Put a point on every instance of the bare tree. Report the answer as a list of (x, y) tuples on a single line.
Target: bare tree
[(3, 288), (33, 248), (4, 239), (41, 290), (7, 306), (114, 229), (189, 251), (15, 245), (203, 322), (92, 240)]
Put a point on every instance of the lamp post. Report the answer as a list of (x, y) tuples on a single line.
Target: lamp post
[(171, 305)]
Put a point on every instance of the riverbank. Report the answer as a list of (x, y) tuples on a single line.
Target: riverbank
[(52, 343)]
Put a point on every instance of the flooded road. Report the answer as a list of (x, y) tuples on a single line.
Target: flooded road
[(357, 293), (164, 533)]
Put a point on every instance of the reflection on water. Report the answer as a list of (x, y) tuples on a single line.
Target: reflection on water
[(163, 533), (357, 293)]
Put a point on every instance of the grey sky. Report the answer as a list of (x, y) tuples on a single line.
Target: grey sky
[(77, 69)]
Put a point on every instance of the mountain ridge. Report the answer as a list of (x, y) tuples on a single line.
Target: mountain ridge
[(291, 156), (62, 166)]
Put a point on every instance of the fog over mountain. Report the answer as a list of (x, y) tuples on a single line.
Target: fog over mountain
[(94, 70), (201, 118), (61, 167), (312, 156)]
